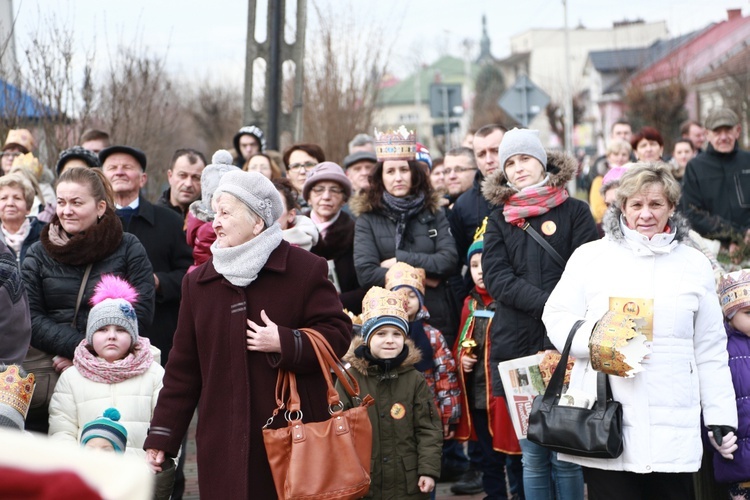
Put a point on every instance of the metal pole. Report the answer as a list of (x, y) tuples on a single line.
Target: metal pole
[(525, 104), (568, 97), (447, 118), (273, 90)]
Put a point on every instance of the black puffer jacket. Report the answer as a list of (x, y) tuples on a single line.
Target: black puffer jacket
[(52, 288), (518, 273), (427, 243)]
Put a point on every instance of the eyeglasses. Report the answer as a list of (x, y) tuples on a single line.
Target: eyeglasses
[(11, 154), (331, 189), (458, 170), (308, 165)]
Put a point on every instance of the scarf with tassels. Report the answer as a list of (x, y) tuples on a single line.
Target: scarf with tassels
[(532, 202), (99, 370)]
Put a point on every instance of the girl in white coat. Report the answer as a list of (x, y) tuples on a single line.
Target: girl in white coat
[(112, 367)]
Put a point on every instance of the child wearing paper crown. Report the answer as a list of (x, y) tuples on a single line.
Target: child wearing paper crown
[(437, 361), (734, 294), (112, 365), (485, 418), (406, 426)]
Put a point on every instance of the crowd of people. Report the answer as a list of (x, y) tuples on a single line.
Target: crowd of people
[(123, 317)]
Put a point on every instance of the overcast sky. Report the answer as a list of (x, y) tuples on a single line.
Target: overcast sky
[(207, 39)]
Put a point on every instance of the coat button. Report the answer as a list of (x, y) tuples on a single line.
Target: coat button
[(385, 459)]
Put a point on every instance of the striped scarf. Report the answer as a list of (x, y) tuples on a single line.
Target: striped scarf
[(532, 202)]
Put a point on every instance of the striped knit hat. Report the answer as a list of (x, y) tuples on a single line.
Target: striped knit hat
[(106, 427)]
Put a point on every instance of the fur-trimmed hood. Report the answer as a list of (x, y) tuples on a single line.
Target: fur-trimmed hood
[(560, 166), (359, 204), (612, 228), (363, 366)]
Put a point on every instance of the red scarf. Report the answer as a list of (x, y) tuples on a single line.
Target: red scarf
[(532, 202)]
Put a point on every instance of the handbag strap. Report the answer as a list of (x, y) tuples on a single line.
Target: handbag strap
[(329, 362), (81, 290), (555, 386), (553, 253)]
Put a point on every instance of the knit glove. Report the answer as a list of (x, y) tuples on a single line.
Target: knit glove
[(722, 438)]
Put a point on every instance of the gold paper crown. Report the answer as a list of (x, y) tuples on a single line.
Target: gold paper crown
[(16, 391), (479, 233), (734, 291), (398, 145), (30, 163), (403, 274), (381, 302)]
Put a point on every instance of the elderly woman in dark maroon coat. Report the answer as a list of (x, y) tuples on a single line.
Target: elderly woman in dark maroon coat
[(238, 325)]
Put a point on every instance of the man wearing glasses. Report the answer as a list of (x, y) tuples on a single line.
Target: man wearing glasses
[(459, 169), (19, 141)]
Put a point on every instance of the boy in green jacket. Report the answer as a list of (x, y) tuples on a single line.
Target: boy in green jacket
[(407, 431)]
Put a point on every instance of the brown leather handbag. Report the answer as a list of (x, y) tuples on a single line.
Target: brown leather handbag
[(320, 460)]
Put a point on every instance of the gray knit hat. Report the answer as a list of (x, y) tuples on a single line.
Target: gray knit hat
[(521, 141), (113, 305), (221, 163), (254, 190)]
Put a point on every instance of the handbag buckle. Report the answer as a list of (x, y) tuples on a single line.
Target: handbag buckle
[(432, 233), (288, 415), (339, 406)]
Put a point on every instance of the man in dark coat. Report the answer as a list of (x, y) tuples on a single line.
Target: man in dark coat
[(159, 230), (716, 186), (184, 177), (471, 207)]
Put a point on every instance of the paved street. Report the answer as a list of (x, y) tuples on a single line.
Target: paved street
[(191, 475)]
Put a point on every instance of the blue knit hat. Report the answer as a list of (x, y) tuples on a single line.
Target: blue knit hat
[(106, 427)]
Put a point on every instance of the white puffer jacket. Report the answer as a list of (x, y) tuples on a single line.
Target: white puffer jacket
[(687, 369), (78, 400)]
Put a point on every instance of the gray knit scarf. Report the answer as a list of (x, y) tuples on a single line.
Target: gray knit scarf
[(240, 265)]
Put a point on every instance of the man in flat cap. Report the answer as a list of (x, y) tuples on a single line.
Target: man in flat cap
[(716, 187), (158, 229)]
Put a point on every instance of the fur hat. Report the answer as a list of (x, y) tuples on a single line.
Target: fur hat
[(327, 171), (734, 292), (113, 305), (382, 307), (254, 190), (136, 153), (249, 130), (21, 138), (106, 427), (87, 156), (521, 141)]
